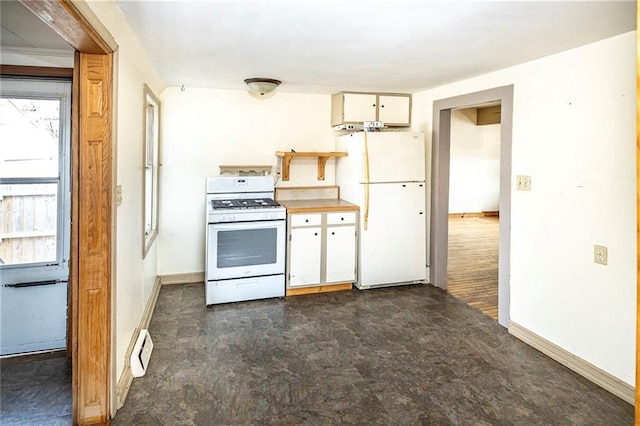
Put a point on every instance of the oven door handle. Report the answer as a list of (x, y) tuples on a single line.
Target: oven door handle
[(247, 284), (227, 226)]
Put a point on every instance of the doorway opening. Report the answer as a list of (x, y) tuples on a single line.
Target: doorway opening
[(35, 218), (474, 207), (35, 231), (441, 164)]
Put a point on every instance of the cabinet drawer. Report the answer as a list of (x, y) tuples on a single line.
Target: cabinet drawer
[(306, 219), (339, 218)]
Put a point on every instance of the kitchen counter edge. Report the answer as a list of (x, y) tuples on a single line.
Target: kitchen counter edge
[(318, 205)]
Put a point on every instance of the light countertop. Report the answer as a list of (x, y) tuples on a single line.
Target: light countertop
[(318, 205)]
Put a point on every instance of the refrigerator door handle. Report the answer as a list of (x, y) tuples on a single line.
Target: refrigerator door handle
[(366, 181)]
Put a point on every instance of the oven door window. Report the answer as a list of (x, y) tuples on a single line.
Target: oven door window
[(247, 247)]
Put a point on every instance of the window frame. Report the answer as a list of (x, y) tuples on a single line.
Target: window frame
[(150, 162)]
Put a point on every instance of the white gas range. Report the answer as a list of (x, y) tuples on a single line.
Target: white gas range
[(245, 253)]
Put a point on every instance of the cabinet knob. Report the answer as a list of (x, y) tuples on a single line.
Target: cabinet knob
[(381, 106), (315, 233), (373, 105), (342, 218), (306, 220), (404, 186), (333, 233)]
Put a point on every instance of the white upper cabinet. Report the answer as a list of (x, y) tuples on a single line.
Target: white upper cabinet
[(359, 107), (393, 109)]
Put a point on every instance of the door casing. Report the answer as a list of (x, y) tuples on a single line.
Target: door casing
[(440, 164)]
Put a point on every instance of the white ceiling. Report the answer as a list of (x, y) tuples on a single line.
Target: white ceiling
[(21, 29), (323, 46)]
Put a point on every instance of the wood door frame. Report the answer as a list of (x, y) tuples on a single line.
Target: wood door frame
[(92, 245), (440, 163), (637, 409)]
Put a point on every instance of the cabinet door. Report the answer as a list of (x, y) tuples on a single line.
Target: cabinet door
[(395, 110), (341, 254), (304, 256), (359, 107)]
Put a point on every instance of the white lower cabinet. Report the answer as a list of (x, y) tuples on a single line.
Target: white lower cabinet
[(341, 259), (321, 248), (305, 256)]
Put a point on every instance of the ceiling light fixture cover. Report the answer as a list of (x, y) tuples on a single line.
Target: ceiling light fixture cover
[(262, 86)]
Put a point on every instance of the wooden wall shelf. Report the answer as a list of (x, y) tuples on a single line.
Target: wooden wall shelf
[(322, 160)]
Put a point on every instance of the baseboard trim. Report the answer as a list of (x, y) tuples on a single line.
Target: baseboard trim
[(124, 384), (587, 370), (126, 378), (187, 278), (489, 213)]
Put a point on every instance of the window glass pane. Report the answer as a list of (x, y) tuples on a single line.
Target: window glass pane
[(247, 247), (28, 223), (151, 164), (148, 200), (29, 130)]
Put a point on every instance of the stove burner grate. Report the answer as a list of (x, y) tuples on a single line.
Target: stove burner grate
[(243, 203)]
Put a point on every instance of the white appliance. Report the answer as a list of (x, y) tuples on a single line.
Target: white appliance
[(384, 173), (245, 253)]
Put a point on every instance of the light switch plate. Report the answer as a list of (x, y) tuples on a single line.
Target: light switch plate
[(523, 183)]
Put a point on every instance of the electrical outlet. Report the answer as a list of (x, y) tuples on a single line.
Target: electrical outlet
[(523, 183), (118, 195), (600, 254)]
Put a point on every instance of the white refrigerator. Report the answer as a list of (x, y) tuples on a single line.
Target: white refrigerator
[(384, 173)]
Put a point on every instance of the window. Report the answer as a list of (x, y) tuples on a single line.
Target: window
[(151, 164), (34, 178)]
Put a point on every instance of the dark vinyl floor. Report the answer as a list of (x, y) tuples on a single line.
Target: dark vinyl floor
[(394, 356), (36, 392)]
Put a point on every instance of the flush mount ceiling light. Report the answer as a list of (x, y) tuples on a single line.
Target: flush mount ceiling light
[(262, 86)]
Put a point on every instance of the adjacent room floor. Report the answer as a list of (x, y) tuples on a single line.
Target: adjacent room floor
[(35, 392), (403, 355), (472, 266)]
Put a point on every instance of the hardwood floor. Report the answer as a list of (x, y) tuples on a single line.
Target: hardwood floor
[(473, 262)]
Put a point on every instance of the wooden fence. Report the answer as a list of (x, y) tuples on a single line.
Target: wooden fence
[(28, 222)]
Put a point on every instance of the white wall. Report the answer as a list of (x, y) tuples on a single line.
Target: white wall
[(203, 129), (134, 275), (474, 175), (573, 132)]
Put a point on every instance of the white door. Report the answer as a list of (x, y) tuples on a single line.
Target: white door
[(394, 157), (393, 245), (34, 214), (341, 254), (305, 250)]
